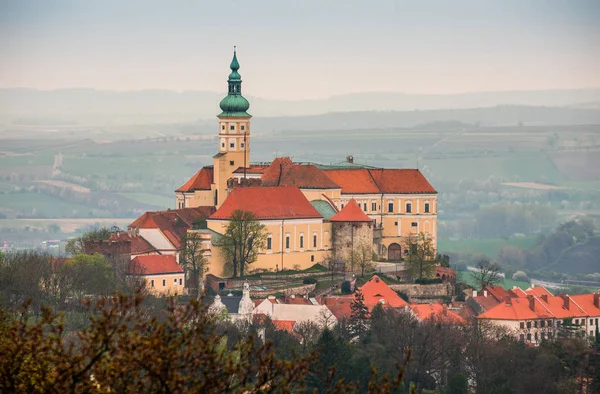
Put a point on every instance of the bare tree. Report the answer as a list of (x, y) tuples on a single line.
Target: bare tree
[(193, 261), (486, 274), (244, 237), (421, 257), (361, 257)]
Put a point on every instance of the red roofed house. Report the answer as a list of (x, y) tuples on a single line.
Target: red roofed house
[(376, 292), (436, 311), (398, 203), (540, 314), (160, 273)]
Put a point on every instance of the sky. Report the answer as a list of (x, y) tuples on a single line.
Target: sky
[(301, 49)]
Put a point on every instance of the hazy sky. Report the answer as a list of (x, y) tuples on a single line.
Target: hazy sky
[(301, 49)]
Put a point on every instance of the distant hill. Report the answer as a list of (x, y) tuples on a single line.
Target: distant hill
[(90, 106)]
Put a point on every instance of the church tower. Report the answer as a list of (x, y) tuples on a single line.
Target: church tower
[(234, 134)]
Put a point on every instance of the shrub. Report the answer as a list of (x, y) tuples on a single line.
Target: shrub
[(346, 287), (309, 280), (520, 275)]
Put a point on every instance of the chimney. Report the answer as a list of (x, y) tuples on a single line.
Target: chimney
[(531, 302), (507, 301), (597, 300), (545, 298), (533, 285), (474, 293), (566, 301), (485, 293)]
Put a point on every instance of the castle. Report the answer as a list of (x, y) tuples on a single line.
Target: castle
[(310, 211)]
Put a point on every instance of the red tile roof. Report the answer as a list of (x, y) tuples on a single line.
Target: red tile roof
[(284, 325), (351, 213), (340, 306), (586, 301), (173, 223), (435, 311), (154, 265), (380, 180), (498, 292), (267, 203), (202, 180), (486, 303), (518, 309), (138, 244), (538, 291), (375, 291), (283, 172), (401, 180), (252, 169), (354, 181)]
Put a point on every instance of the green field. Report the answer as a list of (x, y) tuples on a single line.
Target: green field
[(42, 205), (487, 246), (153, 199)]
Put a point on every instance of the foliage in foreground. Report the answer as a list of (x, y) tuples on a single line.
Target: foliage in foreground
[(124, 349)]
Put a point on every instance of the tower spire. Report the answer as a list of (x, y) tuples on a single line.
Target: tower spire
[(234, 104)]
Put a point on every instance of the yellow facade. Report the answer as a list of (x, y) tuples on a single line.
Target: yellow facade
[(165, 284), (291, 243)]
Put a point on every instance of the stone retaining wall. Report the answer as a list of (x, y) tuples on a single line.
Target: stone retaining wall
[(288, 291), (424, 291)]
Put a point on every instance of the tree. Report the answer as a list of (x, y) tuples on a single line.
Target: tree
[(359, 317), (244, 237), (193, 261), (443, 260), (421, 258), (87, 275), (486, 274), (361, 257)]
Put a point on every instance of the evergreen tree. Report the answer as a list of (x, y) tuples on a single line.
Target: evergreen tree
[(359, 318)]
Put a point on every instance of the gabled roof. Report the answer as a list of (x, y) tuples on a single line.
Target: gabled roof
[(380, 180), (340, 306), (586, 301), (435, 311), (498, 292), (202, 180), (325, 209), (376, 291), (351, 213), (267, 203), (173, 223), (538, 291), (283, 172), (154, 265)]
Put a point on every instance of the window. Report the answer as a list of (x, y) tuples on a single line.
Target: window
[(535, 324), (287, 241), (243, 127), (529, 337), (395, 223), (269, 243), (576, 322), (549, 323), (413, 224), (302, 242), (522, 325), (408, 207), (426, 207), (180, 282), (543, 323), (232, 144), (314, 240), (591, 322), (365, 207), (222, 145), (231, 162), (342, 206), (232, 127), (175, 280), (390, 207), (522, 338), (152, 283), (164, 282), (373, 206), (312, 257), (536, 336), (242, 145), (528, 324)]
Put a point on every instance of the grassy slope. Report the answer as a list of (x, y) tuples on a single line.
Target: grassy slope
[(506, 283)]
